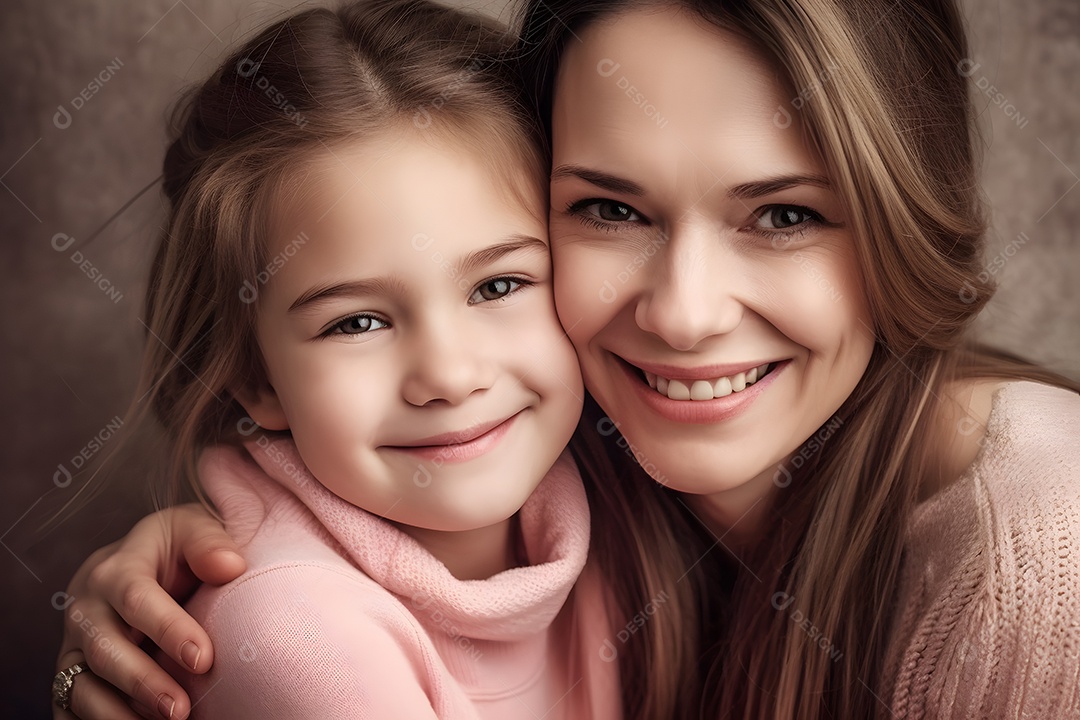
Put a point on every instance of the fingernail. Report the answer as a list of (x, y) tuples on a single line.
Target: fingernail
[(165, 705), (190, 653)]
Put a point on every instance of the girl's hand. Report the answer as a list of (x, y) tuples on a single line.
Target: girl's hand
[(121, 594)]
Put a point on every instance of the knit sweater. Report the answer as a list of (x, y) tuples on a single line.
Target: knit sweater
[(342, 615), (988, 622)]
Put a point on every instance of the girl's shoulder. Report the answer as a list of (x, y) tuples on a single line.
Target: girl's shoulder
[(313, 639)]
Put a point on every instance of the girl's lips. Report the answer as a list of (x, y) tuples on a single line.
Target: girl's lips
[(450, 447), (699, 412)]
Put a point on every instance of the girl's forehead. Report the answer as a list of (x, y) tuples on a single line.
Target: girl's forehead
[(397, 187), (511, 170)]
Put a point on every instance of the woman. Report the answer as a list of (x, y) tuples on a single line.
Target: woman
[(768, 276)]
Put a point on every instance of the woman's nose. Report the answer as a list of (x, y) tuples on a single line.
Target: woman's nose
[(690, 292)]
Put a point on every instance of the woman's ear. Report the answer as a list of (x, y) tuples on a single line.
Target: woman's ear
[(262, 405)]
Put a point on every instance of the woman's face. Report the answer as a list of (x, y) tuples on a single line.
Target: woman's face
[(703, 267)]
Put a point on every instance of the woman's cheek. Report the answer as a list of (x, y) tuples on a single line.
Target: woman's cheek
[(824, 302)]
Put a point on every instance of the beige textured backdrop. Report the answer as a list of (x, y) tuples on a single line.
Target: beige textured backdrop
[(70, 321)]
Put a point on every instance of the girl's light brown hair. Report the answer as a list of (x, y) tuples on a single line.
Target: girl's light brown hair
[(304, 86), (888, 111)]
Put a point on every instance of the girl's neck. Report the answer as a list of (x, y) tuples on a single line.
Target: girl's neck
[(472, 554)]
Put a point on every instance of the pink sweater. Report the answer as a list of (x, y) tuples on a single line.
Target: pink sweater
[(989, 606), (341, 615)]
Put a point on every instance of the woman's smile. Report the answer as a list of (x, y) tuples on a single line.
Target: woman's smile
[(706, 399)]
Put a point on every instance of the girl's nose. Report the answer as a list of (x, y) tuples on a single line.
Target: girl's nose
[(445, 366)]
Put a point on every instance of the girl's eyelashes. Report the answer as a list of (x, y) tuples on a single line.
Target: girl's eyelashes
[(497, 289), (492, 290), (604, 214), (359, 324)]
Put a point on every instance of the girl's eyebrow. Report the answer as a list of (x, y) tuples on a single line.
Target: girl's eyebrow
[(310, 299), (313, 297), (743, 191), (485, 256)]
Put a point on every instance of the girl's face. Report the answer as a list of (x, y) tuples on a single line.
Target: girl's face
[(703, 268), (410, 339)]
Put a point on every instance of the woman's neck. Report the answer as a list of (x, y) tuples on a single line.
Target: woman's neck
[(959, 431), (472, 554), (737, 516)]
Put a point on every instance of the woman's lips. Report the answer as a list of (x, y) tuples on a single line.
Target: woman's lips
[(461, 445), (693, 402)]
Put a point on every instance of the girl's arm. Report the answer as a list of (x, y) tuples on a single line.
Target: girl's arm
[(122, 593)]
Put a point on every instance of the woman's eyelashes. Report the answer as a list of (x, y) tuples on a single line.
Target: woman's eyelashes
[(775, 220), (604, 214), (786, 221)]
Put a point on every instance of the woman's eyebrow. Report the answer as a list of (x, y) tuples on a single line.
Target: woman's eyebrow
[(742, 191), (599, 179), (761, 188)]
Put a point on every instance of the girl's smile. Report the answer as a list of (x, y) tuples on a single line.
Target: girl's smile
[(461, 445), (412, 345)]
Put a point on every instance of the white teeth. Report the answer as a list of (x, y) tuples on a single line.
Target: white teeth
[(677, 390), (701, 390), (706, 389)]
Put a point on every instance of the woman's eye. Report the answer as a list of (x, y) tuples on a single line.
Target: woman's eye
[(782, 217), (494, 289), (606, 211), (358, 325)]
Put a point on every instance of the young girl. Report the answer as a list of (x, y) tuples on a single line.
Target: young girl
[(352, 303), (766, 237)]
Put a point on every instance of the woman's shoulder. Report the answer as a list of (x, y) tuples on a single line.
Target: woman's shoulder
[(1003, 431), (1030, 452), (988, 607), (1020, 484)]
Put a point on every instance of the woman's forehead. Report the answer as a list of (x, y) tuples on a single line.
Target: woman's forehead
[(693, 104)]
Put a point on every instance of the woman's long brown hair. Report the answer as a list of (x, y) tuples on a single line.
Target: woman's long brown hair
[(891, 118)]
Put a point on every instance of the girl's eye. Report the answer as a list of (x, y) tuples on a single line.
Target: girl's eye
[(358, 325), (783, 217), (495, 289), (605, 211)]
